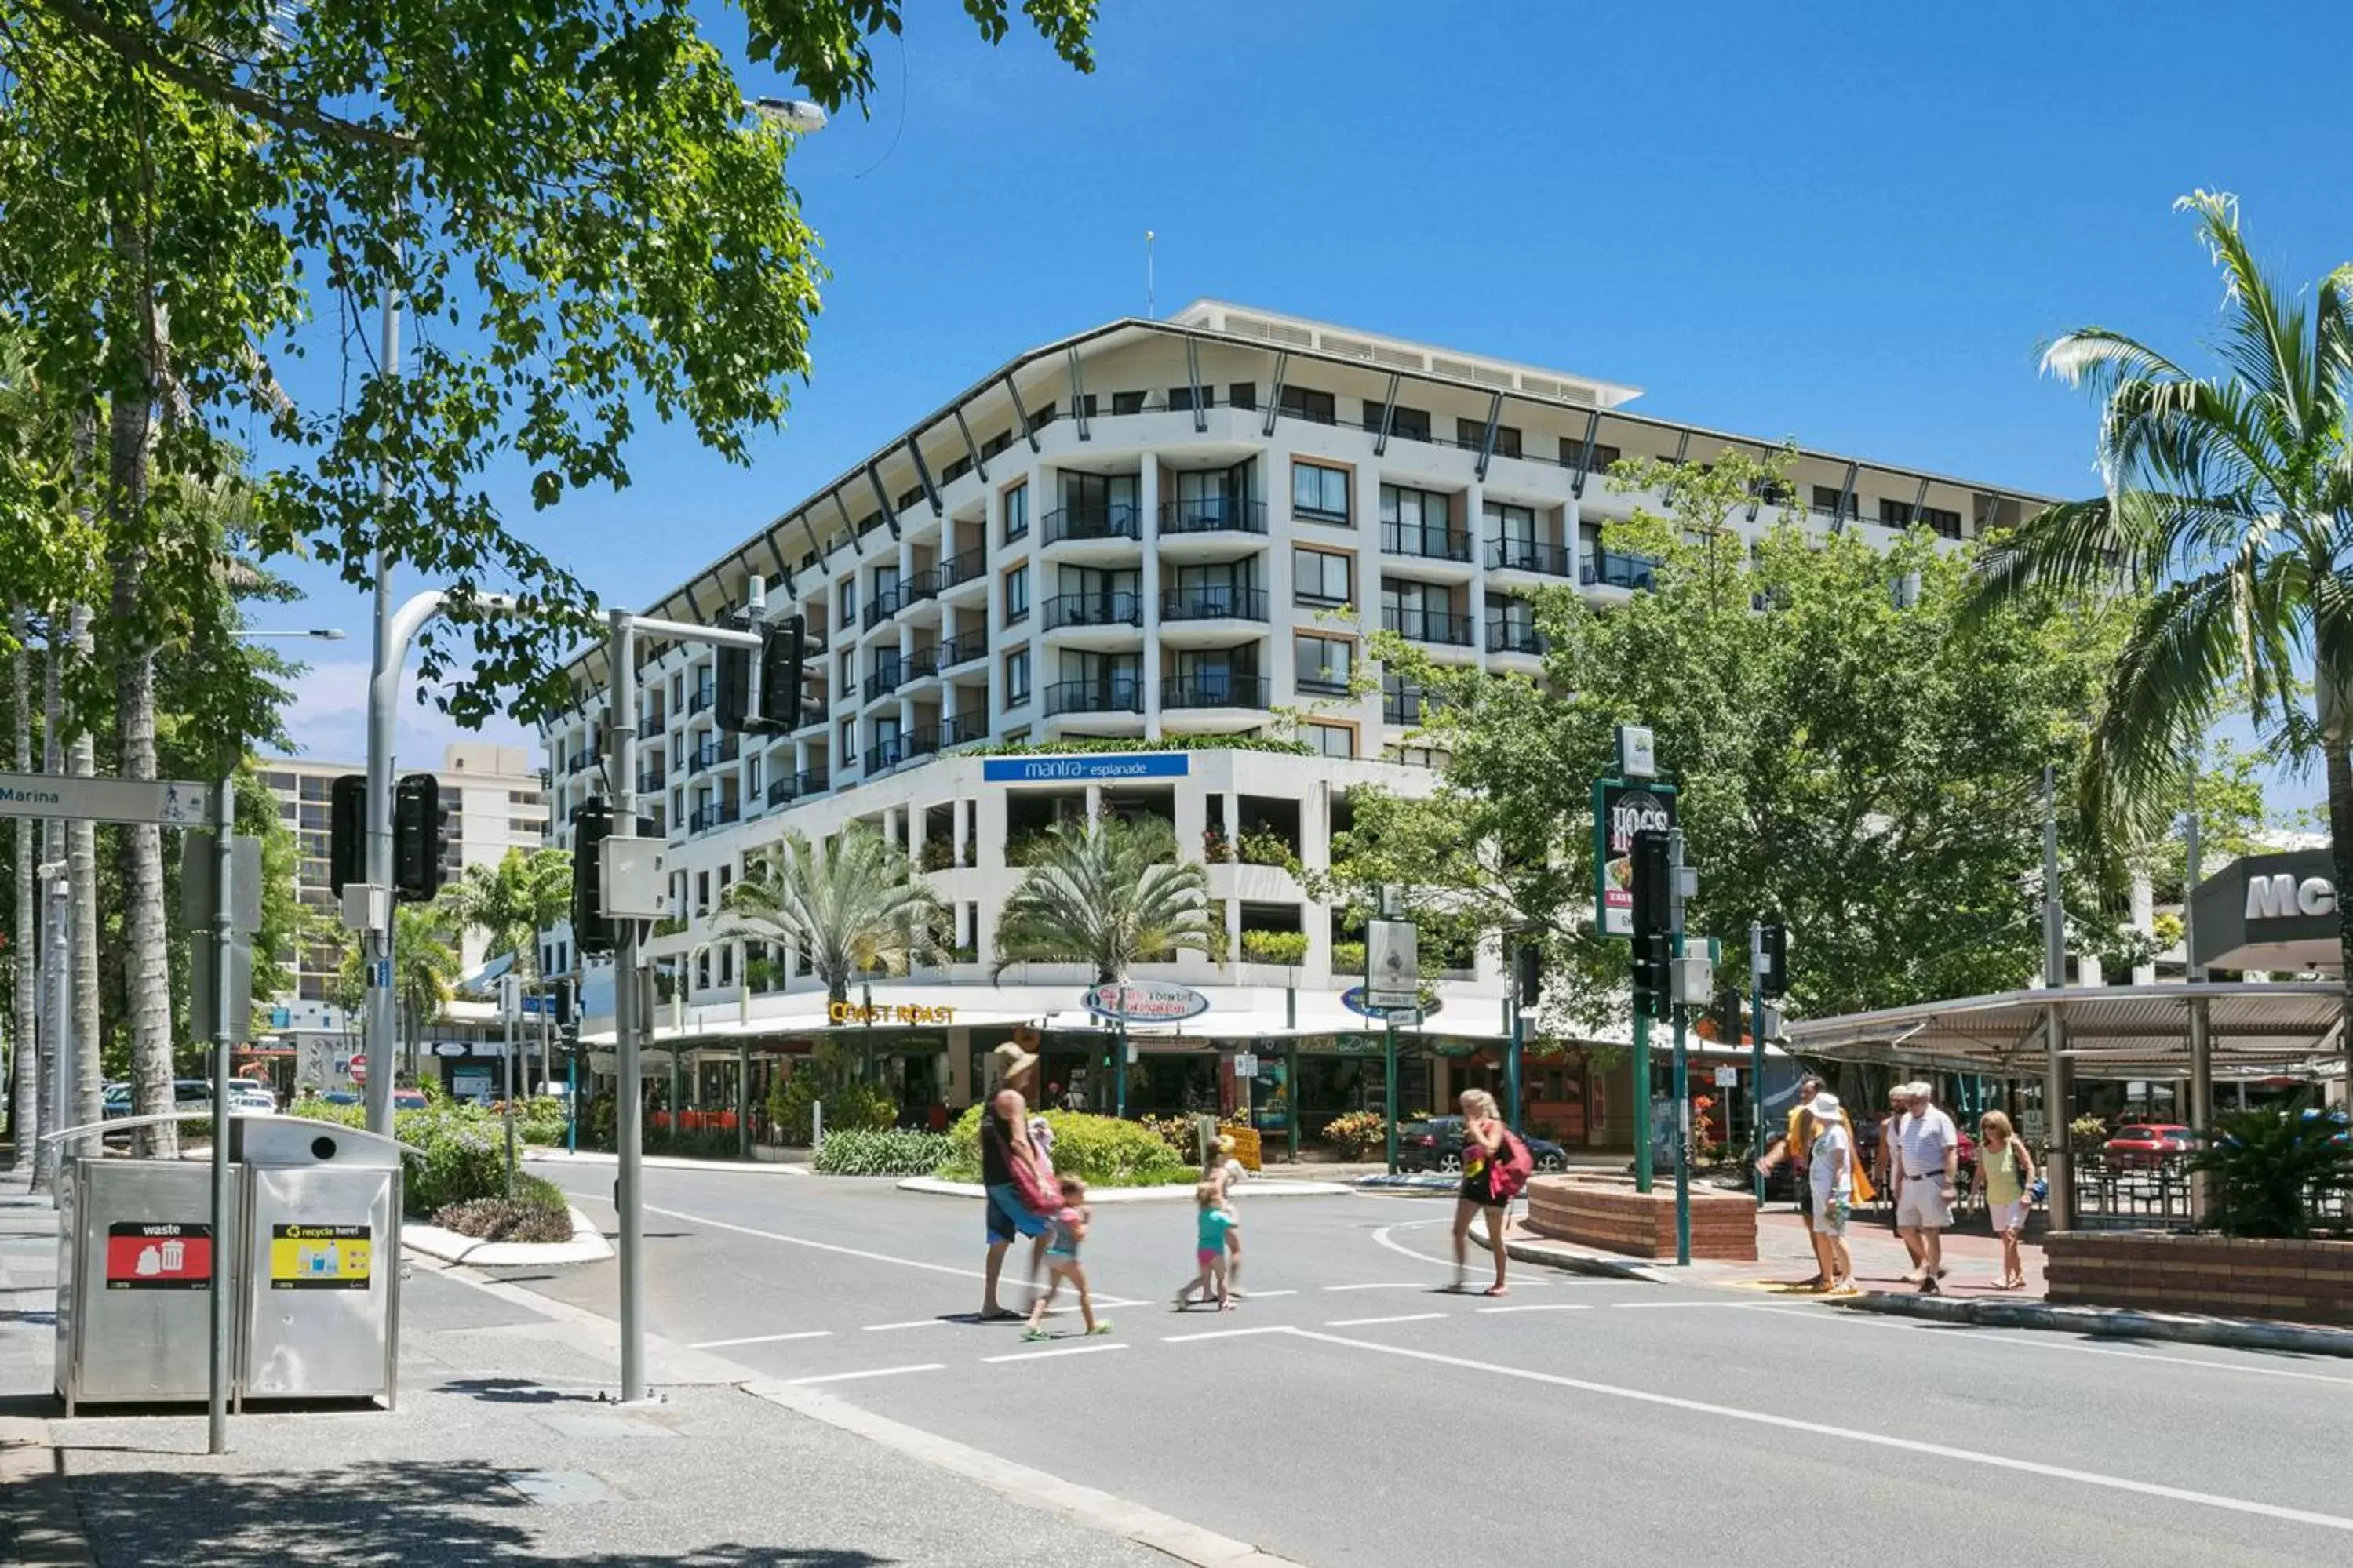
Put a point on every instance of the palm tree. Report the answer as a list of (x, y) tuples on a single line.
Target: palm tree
[(2228, 500), (853, 906), (1111, 895), (424, 969), (511, 903)]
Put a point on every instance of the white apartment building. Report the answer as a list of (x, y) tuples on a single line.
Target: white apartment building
[(1150, 530)]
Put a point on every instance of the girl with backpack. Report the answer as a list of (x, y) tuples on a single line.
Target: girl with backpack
[(1495, 1167)]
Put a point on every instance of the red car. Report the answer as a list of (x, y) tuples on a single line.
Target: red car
[(2148, 1145)]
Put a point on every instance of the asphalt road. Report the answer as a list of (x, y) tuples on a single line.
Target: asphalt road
[(1352, 1411)]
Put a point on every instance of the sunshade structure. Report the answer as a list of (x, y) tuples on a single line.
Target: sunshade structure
[(2191, 1032)]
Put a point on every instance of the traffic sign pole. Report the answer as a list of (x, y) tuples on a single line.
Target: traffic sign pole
[(1388, 1091), (1757, 1051), (1682, 1125), (1643, 1140)]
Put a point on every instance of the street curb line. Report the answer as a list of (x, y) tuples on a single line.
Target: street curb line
[(663, 1161), (2108, 1322), (1583, 1263), (587, 1246), (44, 1530), (1252, 1190), (1032, 1487)]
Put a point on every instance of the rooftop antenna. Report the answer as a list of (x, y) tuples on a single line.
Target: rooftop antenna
[(1150, 307)]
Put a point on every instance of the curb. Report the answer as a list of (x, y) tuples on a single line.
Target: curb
[(2109, 1323), (587, 1246), (1553, 1255), (663, 1161), (1252, 1190)]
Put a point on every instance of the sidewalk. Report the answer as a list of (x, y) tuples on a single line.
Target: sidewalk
[(504, 1449)]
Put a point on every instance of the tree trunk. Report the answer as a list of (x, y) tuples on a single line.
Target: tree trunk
[(25, 1115), (2340, 834), (53, 848), (81, 877)]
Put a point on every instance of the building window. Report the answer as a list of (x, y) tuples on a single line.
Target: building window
[(1017, 512), (846, 601), (1322, 664), (909, 500), (1322, 577), (1318, 493), (1948, 524), (1330, 739), (1473, 434), (1895, 513), (1180, 398), (1017, 677), (1830, 502), (1017, 594), (1243, 395), (1405, 424), (1126, 403), (995, 444), (1306, 403)]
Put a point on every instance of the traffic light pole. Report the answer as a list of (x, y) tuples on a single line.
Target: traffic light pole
[(1644, 1149), (1682, 1123), (1756, 1053)]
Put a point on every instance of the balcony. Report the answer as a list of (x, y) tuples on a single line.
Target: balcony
[(650, 726), (790, 787), (1436, 627), (1530, 555), (711, 752), (963, 648), (1513, 637), (1117, 520), (717, 814), (1429, 543), (883, 605), (582, 762), (1121, 608), (650, 780), (781, 792), (1213, 514), (699, 699), (1213, 690), (1616, 569), (1122, 694), (1213, 602), (1407, 707), (888, 674), (894, 750), (922, 663), (961, 569), (963, 730), (922, 585)]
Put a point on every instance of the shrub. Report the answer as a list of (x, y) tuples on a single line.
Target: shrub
[(864, 1152), (1216, 850), (2271, 1168), (1102, 1151), (1347, 958), (464, 1149), (536, 1212), (938, 855), (1262, 845), (1176, 1131), (828, 1075), (1358, 1132), (1284, 947), (538, 1122)]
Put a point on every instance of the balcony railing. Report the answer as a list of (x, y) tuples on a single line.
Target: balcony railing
[(1116, 521), (1213, 602), (583, 762), (1427, 626), (1513, 637), (882, 606), (1530, 555), (885, 679), (925, 584), (1213, 690), (1213, 514), (718, 813), (652, 779), (781, 792), (964, 568), (711, 752), (700, 698), (923, 662), (963, 730), (1615, 569), (1120, 608), (650, 726), (963, 648), (1406, 707), (1429, 543), (1124, 694), (889, 752)]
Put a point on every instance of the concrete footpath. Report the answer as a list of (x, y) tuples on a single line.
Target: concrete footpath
[(505, 1448)]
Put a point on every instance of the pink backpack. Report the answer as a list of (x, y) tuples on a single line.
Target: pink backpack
[(1508, 1176)]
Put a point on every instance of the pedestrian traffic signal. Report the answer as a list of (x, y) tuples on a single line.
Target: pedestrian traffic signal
[(1653, 974), (346, 832), (1727, 1017), (1654, 887), (784, 663), (1529, 959), (419, 832), (1773, 974)]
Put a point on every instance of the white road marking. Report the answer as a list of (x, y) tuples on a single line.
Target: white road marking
[(1263, 1294), (1368, 1322), (1542, 1307), (1848, 1435), (1381, 1238), (870, 1372), (911, 1324), (1063, 1350), (763, 1338), (830, 1247), (1653, 1306), (1224, 1334), (1387, 1285)]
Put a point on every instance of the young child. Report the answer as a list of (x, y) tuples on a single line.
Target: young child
[(1226, 1171), (1219, 1222), (1066, 1230)]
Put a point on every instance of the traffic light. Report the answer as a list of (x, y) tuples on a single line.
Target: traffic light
[(1653, 974), (1654, 887), (346, 832), (1773, 974), (783, 661), (419, 839), (732, 681), (592, 824), (1727, 1017), (1528, 958)]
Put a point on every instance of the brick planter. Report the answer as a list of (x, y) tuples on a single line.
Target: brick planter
[(2221, 1276), (1612, 1214)]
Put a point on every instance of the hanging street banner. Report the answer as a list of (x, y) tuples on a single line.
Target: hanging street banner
[(170, 802), (1144, 1001), (1621, 810)]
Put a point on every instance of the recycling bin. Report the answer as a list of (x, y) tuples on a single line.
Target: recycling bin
[(135, 1281), (321, 1224)]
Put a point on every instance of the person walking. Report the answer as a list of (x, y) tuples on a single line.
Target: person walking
[(1011, 1181), (1482, 1146), (1928, 1151), (2004, 1176), (1069, 1227), (1796, 1145), (1884, 1168), (1226, 1171), (1830, 1172)]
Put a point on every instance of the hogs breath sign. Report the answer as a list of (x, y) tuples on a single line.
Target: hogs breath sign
[(1621, 810)]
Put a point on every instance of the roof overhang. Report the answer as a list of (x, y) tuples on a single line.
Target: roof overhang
[(2268, 912)]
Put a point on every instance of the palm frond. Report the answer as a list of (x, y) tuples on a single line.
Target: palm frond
[(1111, 895), (854, 906)]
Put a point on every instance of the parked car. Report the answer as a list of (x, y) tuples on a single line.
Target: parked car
[(408, 1100), (339, 1097), (2146, 1145), (1437, 1145)]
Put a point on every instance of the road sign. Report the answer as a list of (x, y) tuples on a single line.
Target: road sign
[(1392, 965), (1727, 1077), (173, 802), (1355, 1000), (383, 973), (1245, 1064), (200, 899), (1144, 1001)]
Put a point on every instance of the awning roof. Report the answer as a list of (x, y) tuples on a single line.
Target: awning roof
[(2112, 1031)]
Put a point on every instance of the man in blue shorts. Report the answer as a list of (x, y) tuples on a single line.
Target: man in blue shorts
[(1008, 1214)]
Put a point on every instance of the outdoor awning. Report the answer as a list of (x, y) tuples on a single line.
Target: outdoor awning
[(2112, 1031)]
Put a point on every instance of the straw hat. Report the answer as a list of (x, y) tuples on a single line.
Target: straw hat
[(1012, 1061)]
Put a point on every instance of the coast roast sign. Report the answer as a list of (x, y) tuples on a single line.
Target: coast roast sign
[(1621, 810), (1146, 1002), (2275, 912)]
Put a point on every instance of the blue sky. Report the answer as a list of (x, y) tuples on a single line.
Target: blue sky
[(1850, 225)]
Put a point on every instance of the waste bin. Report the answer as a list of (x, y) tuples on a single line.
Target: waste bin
[(321, 1228), (135, 1281)]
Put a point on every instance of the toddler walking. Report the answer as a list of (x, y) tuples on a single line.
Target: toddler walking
[(1219, 1222), (1064, 1232)]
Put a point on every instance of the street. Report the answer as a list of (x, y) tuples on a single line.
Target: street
[(1354, 1411)]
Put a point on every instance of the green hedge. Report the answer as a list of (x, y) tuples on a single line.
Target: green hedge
[(1103, 1151), (536, 1212), (464, 1149), (1165, 744), (866, 1152)]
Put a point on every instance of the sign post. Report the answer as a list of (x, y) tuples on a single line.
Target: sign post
[(1622, 808)]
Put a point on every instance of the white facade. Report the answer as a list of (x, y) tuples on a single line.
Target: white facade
[(1150, 530)]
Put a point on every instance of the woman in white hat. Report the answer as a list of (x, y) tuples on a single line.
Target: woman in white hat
[(1829, 1167)]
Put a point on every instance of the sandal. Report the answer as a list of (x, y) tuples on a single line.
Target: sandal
[(1001, 1315), (1497, 1290)]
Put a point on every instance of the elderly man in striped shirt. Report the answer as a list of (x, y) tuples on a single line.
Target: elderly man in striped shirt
[(1927, 1164)]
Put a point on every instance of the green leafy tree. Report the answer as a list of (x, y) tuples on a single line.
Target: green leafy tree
[(852, 906), (1111, 895), (2227, 499), (425, 967), (1849, 758)]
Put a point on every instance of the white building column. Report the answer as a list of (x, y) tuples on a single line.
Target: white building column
[(956, 839), (1147, 493)]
